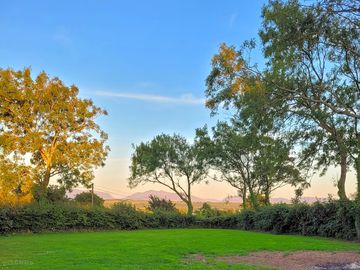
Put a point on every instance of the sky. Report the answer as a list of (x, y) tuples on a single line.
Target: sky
[(145, 62)]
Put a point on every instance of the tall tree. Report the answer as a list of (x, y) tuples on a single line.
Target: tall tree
[(169, 161), (46, 119), (254, 164), (310, 80), (312, 75)]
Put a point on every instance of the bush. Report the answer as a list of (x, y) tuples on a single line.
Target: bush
[(126, 217), (207, 211), (156, 204), (166, 219), (54, 194), (272, 218), (85, 198), (331, 219)]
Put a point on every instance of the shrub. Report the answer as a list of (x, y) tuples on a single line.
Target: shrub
[(126, 216), (207, 211), (330, 219), (157, 204), (54, 194), (272, 218), (247, 219), (85, 198)]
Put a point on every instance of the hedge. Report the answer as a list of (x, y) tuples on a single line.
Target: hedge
[(329, 219)]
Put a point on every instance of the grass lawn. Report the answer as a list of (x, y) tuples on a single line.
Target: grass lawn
[(147, 249)]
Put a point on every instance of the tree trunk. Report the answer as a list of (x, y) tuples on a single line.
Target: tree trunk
[(244, 197), (253, 199), (190, 208), (267, 192), (46, 177), (267, 197), (357, 199), (44, 183), (341, 182), (357, 169)]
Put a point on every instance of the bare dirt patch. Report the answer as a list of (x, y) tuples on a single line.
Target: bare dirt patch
[(304, 260)]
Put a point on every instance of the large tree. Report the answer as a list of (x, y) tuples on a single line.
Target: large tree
[(46, 120), (169, 161), (310, 81), (255, 164), (313, 69)]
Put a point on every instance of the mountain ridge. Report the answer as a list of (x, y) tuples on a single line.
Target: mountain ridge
[(144, 196)]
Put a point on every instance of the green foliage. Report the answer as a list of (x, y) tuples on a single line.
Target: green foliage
[(329, 219), (165, 219), (254, 163), (170, 161), (207, 211), (126, 216), (156, 204), (54, 194), (308, 89), (85, 198)]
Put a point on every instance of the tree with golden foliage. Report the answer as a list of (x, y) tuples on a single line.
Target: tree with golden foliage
[(45, 119)]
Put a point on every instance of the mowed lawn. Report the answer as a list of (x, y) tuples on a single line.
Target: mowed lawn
[(147, 249)]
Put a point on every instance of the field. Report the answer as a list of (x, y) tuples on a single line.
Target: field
[(149, 249), (141, 205)]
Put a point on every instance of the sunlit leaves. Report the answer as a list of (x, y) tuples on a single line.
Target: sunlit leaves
[(46, 119)]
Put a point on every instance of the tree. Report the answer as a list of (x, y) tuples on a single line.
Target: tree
[(169, 161), (254, 164), (207, 211), (46, 119), (309, 83), (157, 204), (276, 168), (85, 198), (312, 68)]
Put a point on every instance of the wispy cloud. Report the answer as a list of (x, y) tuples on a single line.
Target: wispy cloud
[(188, 99), (62, 36), (232, 19)]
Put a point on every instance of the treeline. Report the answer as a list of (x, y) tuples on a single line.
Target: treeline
[(293, 117), (328, 219)]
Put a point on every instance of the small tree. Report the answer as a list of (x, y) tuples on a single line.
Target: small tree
[(157, 204), (169, 161), (207, 211), (86, 198)]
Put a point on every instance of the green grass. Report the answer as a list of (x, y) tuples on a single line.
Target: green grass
[(147, 249)]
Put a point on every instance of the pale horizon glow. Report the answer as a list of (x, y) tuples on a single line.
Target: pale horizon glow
[(113, 177)]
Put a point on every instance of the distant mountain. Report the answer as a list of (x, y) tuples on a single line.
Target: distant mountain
[(237, 199), (104, 195), (144, 196)]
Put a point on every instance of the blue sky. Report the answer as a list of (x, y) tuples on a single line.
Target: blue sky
[(144, 61)]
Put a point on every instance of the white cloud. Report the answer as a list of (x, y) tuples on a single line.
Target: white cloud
[(184, 99), (232, 19)]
